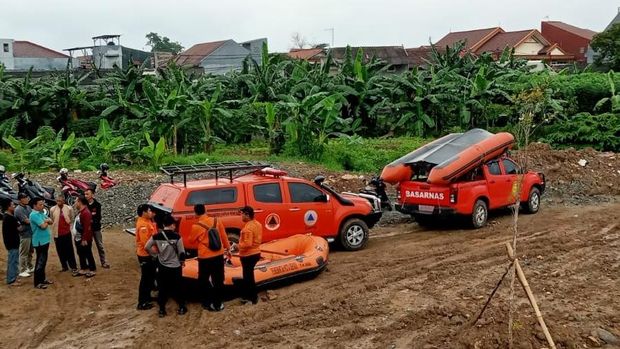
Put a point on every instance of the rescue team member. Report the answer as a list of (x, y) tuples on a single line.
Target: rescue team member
[(40, 225), (62, 216), (210, 263), (145, 229), (249, 251), (170, 255), (84, 238), (10, 236)]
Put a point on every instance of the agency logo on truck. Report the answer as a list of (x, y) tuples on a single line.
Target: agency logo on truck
[(424, 195)]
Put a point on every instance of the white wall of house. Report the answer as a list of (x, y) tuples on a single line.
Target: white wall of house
[(6, 54), (25, 63), (530, 47), (556, 52)]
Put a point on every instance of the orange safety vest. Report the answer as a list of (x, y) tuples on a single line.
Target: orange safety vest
[(200, 237), (145, 228)]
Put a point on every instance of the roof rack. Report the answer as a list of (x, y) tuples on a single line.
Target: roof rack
[(215, 167)]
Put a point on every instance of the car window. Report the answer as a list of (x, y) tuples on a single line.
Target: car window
[(212, 196), (268, 193), (510, 167), (494, 168), (301, 192)]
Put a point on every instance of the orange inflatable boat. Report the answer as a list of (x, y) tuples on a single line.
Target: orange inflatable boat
[(449, 157), (280, 259)]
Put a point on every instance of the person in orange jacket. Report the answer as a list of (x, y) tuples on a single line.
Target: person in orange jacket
[(145, 229), (210, 262), (249, 252)]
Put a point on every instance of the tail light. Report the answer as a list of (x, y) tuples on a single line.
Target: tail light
[(453, 195)]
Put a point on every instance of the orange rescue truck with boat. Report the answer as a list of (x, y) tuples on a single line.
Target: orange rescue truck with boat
[(465, 174)]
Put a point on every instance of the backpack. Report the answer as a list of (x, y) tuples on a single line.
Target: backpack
[(215, 243)]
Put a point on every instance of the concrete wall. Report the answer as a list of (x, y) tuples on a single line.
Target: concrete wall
[(106, 57), (23, 63), (6, 58), (228, 57), (256, 48)]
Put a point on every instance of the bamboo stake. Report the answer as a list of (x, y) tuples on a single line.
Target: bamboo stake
[(530, 295)]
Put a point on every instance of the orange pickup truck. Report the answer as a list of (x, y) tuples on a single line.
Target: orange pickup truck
[(284, 205)]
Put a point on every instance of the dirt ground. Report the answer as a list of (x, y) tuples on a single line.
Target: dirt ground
[(409, 288)]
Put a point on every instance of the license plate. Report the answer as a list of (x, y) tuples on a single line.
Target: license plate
[(426, 208)]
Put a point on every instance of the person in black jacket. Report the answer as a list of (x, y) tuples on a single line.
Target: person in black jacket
[(95, 210), (10, 235)]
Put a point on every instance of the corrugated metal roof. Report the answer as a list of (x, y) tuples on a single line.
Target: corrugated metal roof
[(27, 49), (390, 54), (195, 54)]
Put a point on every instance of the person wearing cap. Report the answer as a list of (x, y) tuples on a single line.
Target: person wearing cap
[(10, 236), (22, 213), (145, 229), (170, 254), (210, 262), (249, 253)]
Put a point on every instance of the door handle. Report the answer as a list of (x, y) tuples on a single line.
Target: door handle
[(294, 209), (508, 180), (492, 182)]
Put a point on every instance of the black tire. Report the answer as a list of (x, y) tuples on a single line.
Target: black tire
[(480, 214), (353, 234), (532, 205)]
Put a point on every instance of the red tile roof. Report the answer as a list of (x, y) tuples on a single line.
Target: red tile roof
[(305, 54), (584, 33), (473, 38), (27, 49), (502, 40), (195, 54)]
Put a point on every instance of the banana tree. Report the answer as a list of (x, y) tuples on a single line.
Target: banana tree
[(210, 111), (614, 99), (22, 148)]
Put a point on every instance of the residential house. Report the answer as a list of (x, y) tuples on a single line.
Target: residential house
[(18, 55), (220, 57), (312, 55), (527, 44), (573, 40), (419, 56), (107, 53)]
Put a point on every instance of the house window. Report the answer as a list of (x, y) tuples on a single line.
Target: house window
[(5, 47), (582, 49)]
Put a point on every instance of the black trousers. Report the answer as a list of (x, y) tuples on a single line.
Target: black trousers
[(249, 291), (85, 253), (64, 248), (211, 268), (147, 279), (169, 284), (41, 262)]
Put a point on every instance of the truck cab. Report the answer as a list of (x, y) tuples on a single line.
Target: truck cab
[(495, 184)]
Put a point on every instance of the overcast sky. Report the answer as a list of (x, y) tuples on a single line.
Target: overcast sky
[(60, 24)]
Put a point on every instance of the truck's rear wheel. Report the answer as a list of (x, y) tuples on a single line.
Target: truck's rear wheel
[(532, 205), (423, 220), (353, 234), (480, 214)]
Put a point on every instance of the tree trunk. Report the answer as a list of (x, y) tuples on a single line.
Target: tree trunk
[(174, 139)]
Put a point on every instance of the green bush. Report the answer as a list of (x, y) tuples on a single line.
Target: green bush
[(367, 155), (601, 132)]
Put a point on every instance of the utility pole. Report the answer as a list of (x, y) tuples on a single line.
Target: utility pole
[(332, 30)]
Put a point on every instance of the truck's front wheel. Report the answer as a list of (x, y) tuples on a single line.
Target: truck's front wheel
[(354, 234), (533, 201), (480, 214)]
